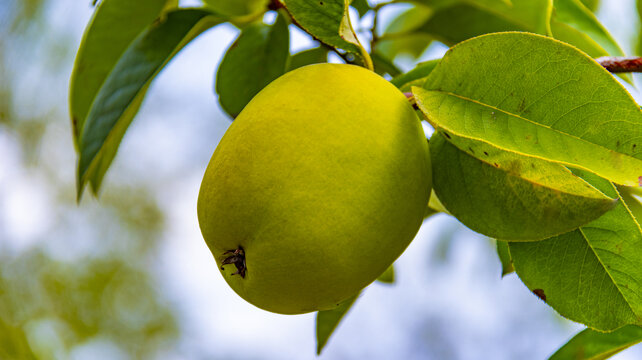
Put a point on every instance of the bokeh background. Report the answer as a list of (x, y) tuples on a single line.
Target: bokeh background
[(128, 276)]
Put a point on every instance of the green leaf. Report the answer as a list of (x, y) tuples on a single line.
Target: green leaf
[(384, 66), (361, 6), (315, 55), (258, 56), (466, 19), (591, 275), (540, 97), (632, 200), (412, 45), (243, 10), (329, 22), (388, 276), (591, 4), (122, 93), (575, 24), (504, 257), (115, 24), (416, 76), (594, 345), (507, 196), (328, 320)]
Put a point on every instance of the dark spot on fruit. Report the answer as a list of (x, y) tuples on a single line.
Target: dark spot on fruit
[(540, 294), (236, 257)]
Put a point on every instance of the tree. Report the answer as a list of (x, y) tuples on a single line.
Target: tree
[(535, 142)]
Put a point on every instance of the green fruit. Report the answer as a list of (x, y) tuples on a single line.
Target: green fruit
[(316, 188)]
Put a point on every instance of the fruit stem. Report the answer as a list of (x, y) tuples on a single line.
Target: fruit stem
[(236, 257)]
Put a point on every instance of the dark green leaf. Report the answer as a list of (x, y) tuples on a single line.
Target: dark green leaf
[(416, 76), (384, 66), (118, 99), (327, 321), (554, 102), (361, 6), (591, 4), (504, 257), (258, 56), (329, 22), (115, 24), (388, 276), (508, 196), (594, 345), (591, 275), (315, 55)]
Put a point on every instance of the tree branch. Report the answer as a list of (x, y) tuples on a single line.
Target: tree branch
[(621, 64)]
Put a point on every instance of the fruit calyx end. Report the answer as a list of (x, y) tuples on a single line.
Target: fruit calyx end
[(236, 257)]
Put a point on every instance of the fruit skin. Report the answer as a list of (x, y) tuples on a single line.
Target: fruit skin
[(323, 180)]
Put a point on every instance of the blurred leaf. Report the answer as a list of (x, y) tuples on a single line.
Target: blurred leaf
[(591, 275), (118, 100), (413, 45), (409, 20), (577, 25), (388, 276), (258, 56), (115, 24), (315, 55), (591, 4), (384, 66), (416, 76), (594, 345), (14, 343), (329, 22), (507, 196), (241, 11), (504, 257), (466, 19), (328, 320), (547, 105), (361, 6)]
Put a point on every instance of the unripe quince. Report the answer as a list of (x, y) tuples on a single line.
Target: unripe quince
[(316, 188)]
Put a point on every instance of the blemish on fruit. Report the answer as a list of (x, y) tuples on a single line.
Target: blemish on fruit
[(447, 136), (540, 294), (236, 257)]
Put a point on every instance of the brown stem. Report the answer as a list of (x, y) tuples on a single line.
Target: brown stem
[(621, 64)]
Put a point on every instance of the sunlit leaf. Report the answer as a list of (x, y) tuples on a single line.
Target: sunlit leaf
[(591, 275), (507, 196), (258, 56), (115, 24), (329, 22), (388, 276), (554, 102), (315, 55), (504, 257), (328, 320), (120, 96), (594, 345)]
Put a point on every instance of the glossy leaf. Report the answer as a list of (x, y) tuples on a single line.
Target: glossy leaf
[(119, 98), (329, 22), (594, 345), (507, 196), (101, 48), (416, 76), (315, 55), (258, 56), (388, 276), (554, 102), (328, 320), (504, 257), (591, 275)]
